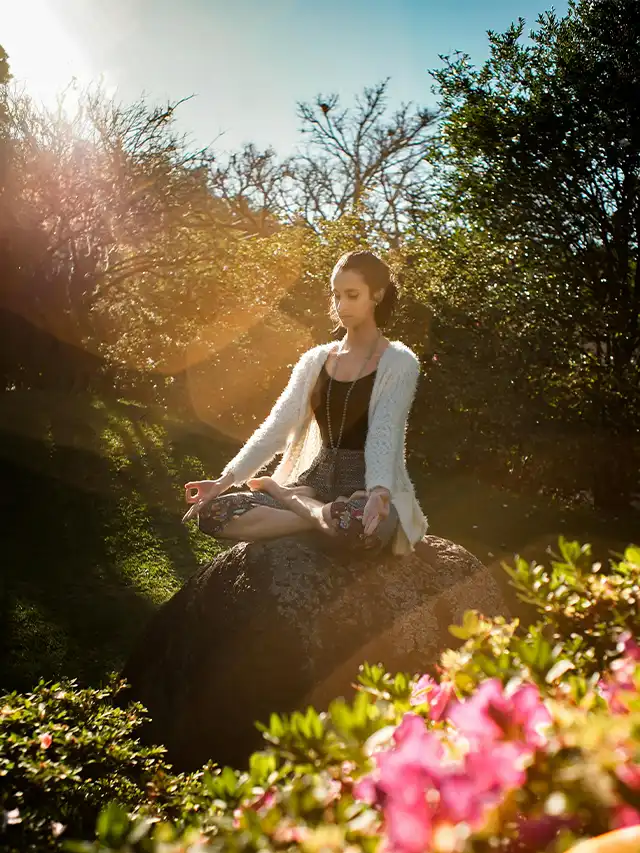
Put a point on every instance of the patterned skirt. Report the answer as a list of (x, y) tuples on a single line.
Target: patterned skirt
[(334, 475)]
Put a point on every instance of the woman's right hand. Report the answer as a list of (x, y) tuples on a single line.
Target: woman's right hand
[(205, 490)]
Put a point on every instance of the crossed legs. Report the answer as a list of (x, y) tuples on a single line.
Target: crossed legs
[(301, 511)]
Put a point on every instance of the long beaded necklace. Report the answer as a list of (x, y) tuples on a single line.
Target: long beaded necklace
[(334, 447)]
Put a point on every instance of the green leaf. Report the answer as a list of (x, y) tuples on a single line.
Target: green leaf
[(632, 556), (471, 622), (113, 825), (276, 726), (488, 665), (315, 724), (261, 766)]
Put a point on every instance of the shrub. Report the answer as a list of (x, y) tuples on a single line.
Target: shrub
[(66, 753), (526, 741)]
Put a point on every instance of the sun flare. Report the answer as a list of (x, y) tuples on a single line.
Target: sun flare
[(44, 55)]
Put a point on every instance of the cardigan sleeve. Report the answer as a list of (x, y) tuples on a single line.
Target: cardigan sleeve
[(272, 434), (387, 428)]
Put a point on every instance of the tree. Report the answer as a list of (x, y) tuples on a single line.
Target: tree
[(5, 75), (97, 207), (361, 161), (256, 188), (541, 148), (356, 160)]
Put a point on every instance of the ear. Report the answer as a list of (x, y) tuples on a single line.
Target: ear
[(379, 297)]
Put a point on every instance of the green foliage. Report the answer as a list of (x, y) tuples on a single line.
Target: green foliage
[(5, 76), (299, 791), (538, 239), (583, 612), (66, 753)]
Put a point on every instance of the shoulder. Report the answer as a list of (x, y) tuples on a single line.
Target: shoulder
[(402, 358), (317, 352), (311, 356)]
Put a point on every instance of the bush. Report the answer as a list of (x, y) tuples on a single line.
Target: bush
[(526, 741), (66, 753)]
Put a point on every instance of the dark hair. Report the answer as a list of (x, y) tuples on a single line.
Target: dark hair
[(377, 276)]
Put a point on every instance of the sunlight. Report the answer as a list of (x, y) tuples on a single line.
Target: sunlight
[(43, 55)]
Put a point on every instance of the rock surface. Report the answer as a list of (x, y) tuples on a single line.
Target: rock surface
[(276, 625)]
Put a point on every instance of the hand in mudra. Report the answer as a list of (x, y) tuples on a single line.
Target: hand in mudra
[(376, 510), (205, 490)]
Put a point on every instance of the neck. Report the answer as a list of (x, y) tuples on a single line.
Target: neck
[(361, 337)]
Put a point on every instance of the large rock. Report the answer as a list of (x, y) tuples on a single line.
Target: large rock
[(274, 626)]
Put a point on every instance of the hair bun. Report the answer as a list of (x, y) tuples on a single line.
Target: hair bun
[(384, 309)]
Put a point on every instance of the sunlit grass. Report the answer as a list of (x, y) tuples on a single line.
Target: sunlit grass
[(97, 543)]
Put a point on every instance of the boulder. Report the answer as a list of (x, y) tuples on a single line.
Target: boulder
[(277, 625)]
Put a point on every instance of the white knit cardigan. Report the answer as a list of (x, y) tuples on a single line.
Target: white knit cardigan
[(291, 427)]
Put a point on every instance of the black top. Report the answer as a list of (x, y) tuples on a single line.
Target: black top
[(356, 421)]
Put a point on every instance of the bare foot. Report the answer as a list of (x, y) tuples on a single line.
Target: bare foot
[(298, 501), (264, 484), (324, 521)]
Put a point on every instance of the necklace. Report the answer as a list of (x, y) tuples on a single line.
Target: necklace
[(334, 447)]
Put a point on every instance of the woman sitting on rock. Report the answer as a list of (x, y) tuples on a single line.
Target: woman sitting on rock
[(340, 424)]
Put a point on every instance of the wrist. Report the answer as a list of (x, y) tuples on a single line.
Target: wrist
[(382, 491), (226, 479)]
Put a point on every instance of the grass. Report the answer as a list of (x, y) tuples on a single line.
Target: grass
[(92, 541)]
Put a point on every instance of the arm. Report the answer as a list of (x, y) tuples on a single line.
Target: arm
[(272, 434), (389, 419)]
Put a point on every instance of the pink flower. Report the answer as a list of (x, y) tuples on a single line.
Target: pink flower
[(613, 694), (628, 646), (490, 715), (287, 833), (416, 742), (419, 789), (625, 816), (620, 679), (405, 777), (45, 740), (629, 775), (366, 790), (408, 820), (264, 801), (500, 767), (437, 695), (482, 782)]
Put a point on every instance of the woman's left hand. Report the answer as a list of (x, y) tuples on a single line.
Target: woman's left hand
[(376, 509)]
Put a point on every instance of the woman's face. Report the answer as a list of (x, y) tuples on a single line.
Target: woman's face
[(352, 298)]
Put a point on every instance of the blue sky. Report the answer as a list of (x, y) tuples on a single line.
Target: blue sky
[(247, 61)]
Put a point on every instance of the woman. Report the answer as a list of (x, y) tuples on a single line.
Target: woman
[(341, 423)]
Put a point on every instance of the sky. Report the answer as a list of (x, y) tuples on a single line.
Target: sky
[(247, 62)]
